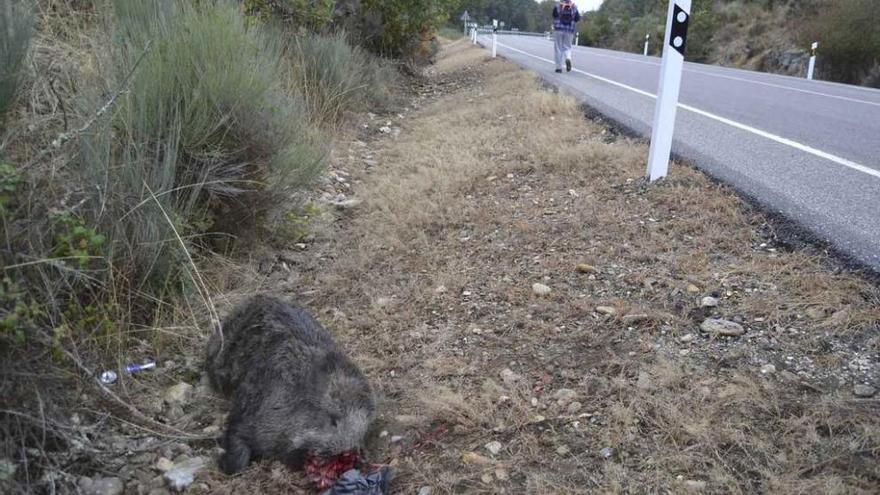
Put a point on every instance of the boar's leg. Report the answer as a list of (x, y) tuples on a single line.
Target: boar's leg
[(237, 455)]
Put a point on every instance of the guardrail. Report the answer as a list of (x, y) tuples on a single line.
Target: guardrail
[(475, 33), (517, 33)]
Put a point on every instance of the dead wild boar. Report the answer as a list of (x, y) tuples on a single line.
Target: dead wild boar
[(293, 392)]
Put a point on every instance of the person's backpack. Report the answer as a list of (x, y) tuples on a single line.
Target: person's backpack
[(566, 11)]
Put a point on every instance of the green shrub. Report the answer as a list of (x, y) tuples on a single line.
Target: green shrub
[(402, 28), (848, 32), (311, 14), (452, 32), (16, 30), (335, 77), (204, 137), (10, 180), (76, 243)]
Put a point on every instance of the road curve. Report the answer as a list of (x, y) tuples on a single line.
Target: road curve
[(808, 150)]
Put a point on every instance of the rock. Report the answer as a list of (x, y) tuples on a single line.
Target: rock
[(494, 447), (7, 469), (101, 486), (574, 407), (693, 289), (694, 485), (164, 464), (143, 459), (211, 430), (396, 439), (347, 204), (509, 377), (476, 459), (182, 475), (385, 129), (709, 302), (687, 338), (501, 474), (441, 289), (585, 268), (565, 395), (785, 60), (722, 327), (426, 490), (864, 391), (179, 394), (789, 376), (606, 310), (410, 419), (635, 318), (541, 289), (815, 313), (606, 452), (563, 450), (644, 381), (487, 478), (839, 317), (768, 369)]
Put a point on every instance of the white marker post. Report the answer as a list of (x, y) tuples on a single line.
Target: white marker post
[(647, 39), (812, 66), (577, 39), (465, 18), (670, 85), (494, 38)]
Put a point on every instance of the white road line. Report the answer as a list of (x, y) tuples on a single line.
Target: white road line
[(789, 88), (633, 57), (734, 78), (758, 132)]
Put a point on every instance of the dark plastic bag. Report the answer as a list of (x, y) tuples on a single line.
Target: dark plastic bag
[(353, 482)]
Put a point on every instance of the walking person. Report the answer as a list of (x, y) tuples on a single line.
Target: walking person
[(565, 19)]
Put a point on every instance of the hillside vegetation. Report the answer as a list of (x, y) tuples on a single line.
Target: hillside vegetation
[(764, 35)]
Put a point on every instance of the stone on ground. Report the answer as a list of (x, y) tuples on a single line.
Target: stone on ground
[(721, 327)]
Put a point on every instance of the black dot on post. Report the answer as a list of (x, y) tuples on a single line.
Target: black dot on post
[(678, 38)]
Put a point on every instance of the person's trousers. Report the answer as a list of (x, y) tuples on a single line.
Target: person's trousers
[(563, 47)]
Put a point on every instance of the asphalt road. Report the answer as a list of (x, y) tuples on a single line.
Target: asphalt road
[(808, 150)]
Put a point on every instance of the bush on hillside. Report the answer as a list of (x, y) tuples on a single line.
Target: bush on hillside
[(309, 14), (335, 77), (848, 32), (401, 28), (204, 137), (16, 29)]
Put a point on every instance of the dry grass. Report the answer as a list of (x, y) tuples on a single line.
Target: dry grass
[(498, 184)]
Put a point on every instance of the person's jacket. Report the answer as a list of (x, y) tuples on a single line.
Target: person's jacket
[(569, 27)]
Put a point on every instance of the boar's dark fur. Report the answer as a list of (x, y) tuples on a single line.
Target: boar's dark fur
[(294, 393)]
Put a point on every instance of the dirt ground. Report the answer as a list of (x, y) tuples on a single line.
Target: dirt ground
[(529, 312), (600, 379)]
